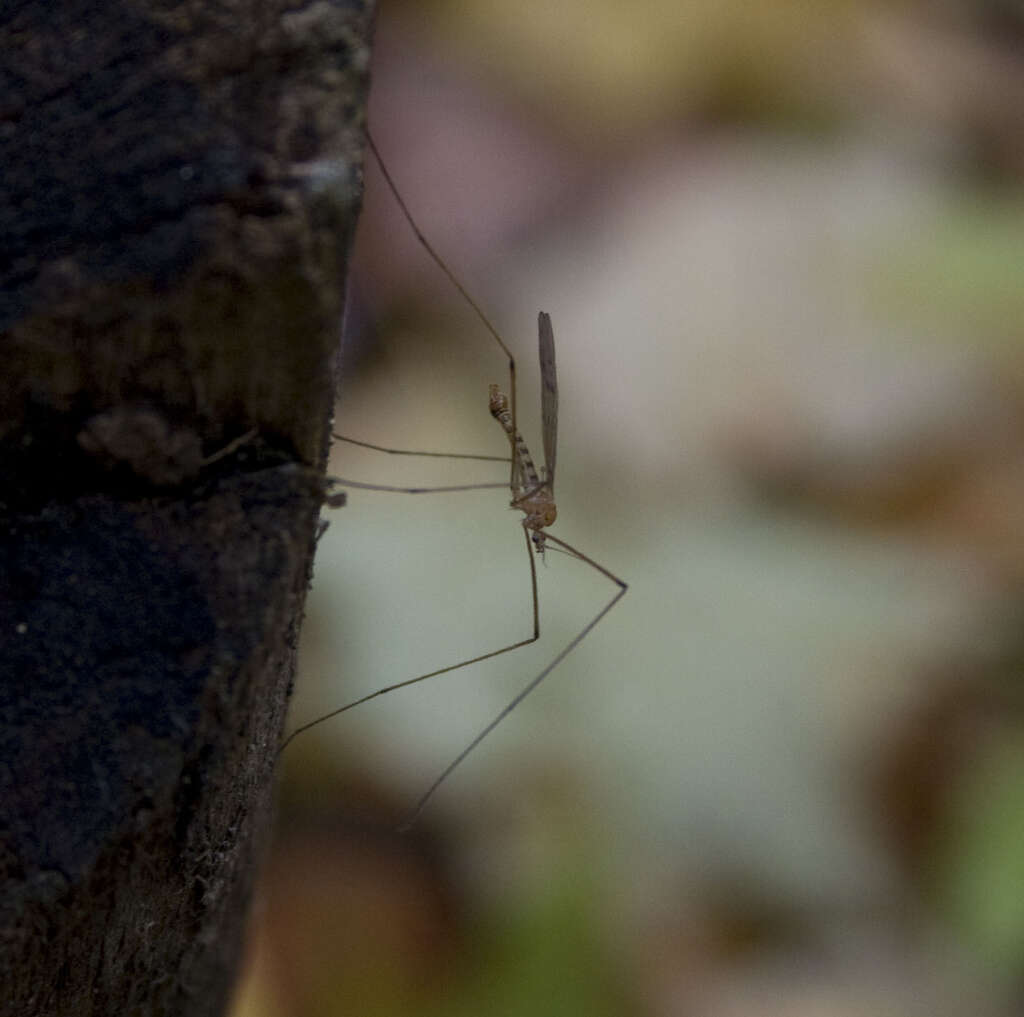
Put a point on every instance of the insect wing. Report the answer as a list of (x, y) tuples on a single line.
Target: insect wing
[(548, 394)]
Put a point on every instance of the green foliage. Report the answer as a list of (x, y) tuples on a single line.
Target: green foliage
[(982, 871)]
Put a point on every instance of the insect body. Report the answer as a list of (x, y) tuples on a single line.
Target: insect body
[(536, 497)]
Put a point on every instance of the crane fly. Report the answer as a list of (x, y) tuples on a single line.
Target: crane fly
[(532, 493)]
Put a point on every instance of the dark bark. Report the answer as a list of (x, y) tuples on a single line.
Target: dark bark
[(178, 188)]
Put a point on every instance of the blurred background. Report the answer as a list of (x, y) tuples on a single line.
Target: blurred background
[(782, 246)]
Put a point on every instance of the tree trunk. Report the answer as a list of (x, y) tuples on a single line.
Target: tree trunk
[(179, 184)]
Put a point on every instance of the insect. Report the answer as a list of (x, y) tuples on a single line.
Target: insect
[(532, 492)]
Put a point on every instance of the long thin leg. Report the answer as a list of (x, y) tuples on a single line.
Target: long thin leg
[(573, 643), (442, 670), (337, 500), (342, 482), (439, 261), (413, 452)]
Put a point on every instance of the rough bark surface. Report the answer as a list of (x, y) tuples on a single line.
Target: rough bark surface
[(180, 182)]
